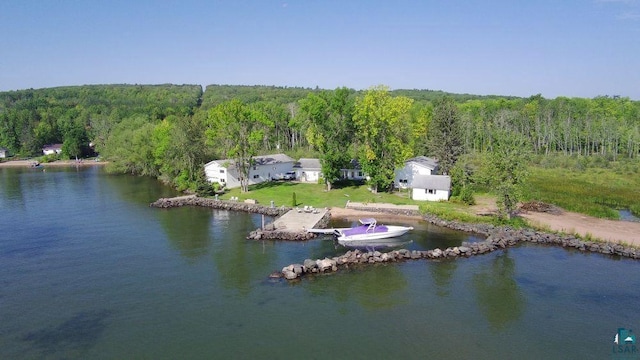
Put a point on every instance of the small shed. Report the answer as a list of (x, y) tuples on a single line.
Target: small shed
[(308, 170), (431, 187), (4, 153)]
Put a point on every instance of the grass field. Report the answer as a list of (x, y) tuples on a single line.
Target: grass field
[(597, 192), (281, 193)]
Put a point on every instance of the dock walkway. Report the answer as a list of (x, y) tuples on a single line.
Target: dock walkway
[(298, 220)]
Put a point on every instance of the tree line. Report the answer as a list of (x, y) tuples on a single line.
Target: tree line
[(170, 131)]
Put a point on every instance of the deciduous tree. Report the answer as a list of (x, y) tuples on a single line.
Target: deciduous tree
[(383, 128), (505, 168), (331, 129), (239, 129)]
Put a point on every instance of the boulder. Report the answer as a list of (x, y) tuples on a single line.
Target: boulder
[(326, 264)]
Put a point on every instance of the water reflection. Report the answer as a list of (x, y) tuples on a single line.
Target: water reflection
[(499, 296), (187, 229), (442, 273), (373, 287), (238, 261), (72, 338), (11, 188)]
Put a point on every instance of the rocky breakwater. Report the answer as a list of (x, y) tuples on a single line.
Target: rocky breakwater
[(165, 203), (499, 238)]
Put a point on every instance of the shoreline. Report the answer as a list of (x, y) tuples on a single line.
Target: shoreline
[(27, 163)]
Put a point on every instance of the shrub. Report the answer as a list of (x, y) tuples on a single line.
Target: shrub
[(466, 195)]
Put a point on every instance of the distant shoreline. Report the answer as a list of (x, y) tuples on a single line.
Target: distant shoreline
[(28, 163)]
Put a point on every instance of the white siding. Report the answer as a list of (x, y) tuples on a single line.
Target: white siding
[(311, 176), (353, 174), (404, 177), (435, 195), (216, 171)]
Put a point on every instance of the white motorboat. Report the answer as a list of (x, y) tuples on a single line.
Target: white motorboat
[(369, 230)]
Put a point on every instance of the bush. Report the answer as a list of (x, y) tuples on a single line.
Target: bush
[(466, 195)]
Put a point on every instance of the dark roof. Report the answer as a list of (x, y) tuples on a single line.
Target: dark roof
[(309, 164), (437, 182), (258, 160), (272, 159), (52, 147), (424, 161), (354, 164)]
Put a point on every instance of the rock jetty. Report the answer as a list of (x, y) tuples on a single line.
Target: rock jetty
[(498, 238), (193, 200)]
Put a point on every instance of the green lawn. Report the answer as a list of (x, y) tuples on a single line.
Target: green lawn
[(281, 193)]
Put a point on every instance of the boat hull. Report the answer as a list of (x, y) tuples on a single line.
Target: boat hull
[(391, 232)]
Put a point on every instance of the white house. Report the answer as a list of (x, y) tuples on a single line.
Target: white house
[(308, 170), (264, 168), (4, 153), (353, 171), (52, 149), (413, 168), (431, 187)]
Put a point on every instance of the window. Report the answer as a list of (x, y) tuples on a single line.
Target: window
[(256, 176), (403, 181), (360, 173), (430, 191), (255, 168), (221, 171)]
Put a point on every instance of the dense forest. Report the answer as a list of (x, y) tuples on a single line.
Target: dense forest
[(170, 131)]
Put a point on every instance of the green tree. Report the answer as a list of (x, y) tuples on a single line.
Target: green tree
[(383, 129), (75, 141), (444, 139), (239, 129), (129, 147), (331, 129), (505, 168)]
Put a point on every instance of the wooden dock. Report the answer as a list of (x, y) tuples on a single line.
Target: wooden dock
[(299, 220)]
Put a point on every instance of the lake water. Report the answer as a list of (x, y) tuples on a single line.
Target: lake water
[(89, 270)]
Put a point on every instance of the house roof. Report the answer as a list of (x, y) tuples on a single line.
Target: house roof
[(424, 161), (308, 164), (437, 182), (258, 160), (272, 159), (52, 147), (354, 164)]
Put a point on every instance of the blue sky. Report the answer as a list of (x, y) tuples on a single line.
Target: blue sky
[(557, 48)]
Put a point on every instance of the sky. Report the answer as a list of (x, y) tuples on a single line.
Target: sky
[(572, 48)]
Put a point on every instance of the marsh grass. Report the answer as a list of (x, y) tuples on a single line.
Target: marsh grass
[(597, 192)]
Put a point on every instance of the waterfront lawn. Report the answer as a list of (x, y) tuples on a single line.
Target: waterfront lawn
[(595, 191), (281, 193)]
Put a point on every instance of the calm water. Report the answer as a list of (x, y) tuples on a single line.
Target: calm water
[(88, 270)]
